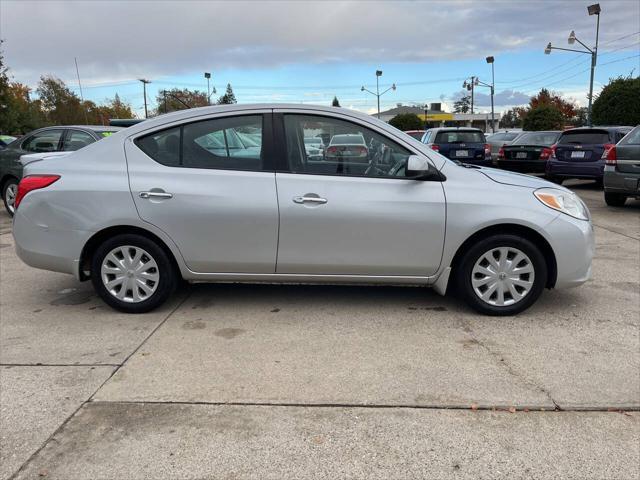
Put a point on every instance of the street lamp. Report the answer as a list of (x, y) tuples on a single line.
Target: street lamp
[(493, 88), (207, 75), (377, 92), (144, 89), (592, 10)]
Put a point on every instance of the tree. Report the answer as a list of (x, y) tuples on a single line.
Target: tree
[(513, 118), (59, 104), (618, 103), (407, 121), (228, 97), (580, 118), (463, 105), (545, 97), (335, 102), (543, 117), (180, 99)]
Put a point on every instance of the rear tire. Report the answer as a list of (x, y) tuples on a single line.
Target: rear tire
[(556, 180), (614, 199), (9, 190), (500, 275), (132, 273)]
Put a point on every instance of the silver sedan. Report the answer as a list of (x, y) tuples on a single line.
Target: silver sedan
[(230, 194)]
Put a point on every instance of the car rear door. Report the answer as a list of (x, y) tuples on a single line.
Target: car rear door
[(374, 223), (210, 186)]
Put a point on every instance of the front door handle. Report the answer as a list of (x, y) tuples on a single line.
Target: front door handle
[(309, 200), (154, 194)]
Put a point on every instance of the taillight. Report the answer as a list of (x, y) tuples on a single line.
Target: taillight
[(33, 182), (363, 150), (545, 153), (553, 151), (331, 150), (435, 147), (501, 152), (487, 149), (609, 154)]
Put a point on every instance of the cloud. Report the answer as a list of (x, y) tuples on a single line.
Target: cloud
[(124, 40), (500, 99)]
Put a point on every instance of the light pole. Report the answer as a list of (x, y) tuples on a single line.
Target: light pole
[(144, 89), (377, 92), (493, 88), (207, 75), (593, 10)]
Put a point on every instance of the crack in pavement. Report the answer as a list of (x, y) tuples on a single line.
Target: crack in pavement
[(501, 361)]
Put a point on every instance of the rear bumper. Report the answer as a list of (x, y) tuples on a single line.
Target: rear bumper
[(523, 166), (621, 182), (557, 168), (573, 243), (46, 247)]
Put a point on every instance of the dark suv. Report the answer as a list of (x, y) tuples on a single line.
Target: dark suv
[(578, 153), (622, 170), (467, 145)]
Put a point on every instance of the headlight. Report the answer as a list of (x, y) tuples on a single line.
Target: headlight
[(565, 202)]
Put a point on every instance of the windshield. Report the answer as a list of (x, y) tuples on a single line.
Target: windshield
[(537, 138), (468, 136), (106, 133), (589, 137)]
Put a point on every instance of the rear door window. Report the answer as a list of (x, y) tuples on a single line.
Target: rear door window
[(47, 141), (75, 140), (587, 137)]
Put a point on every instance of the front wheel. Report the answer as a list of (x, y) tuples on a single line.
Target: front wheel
[(9, 191), (614, 199), (132, 273), (501, 275)]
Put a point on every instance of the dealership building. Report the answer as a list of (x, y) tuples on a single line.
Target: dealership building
[(437, 118)]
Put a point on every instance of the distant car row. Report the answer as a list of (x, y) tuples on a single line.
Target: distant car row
[(609, 155)]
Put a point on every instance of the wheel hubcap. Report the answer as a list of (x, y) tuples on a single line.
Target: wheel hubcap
[(502, 276), (130, 274), (10, 196)]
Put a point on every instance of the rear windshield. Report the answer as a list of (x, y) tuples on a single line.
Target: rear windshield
[(347, 139), (416, 135), (460, 137), (589, 137), (537, 138), (631, 138)]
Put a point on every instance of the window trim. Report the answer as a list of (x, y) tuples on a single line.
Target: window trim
[(267, 139), (283, 165)]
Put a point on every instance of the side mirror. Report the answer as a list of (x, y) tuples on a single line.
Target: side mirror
[(419, 168)]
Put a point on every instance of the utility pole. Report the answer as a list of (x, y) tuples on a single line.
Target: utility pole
[(470, 86), (144, 89), (377, 92), (164, 94), (84, 107)]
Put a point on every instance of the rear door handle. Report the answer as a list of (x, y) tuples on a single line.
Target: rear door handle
[(153, 194), (309, 200)]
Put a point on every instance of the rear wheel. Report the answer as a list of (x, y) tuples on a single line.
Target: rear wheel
[(132, 273), (501, 275), (9, 190), (556, 180), (614, 199)]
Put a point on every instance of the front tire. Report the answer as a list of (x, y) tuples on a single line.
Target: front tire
[(501, 275), (9, 190), (614, 199), (132, 273)]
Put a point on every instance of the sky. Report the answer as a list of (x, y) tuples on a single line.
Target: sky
[(309, 51)]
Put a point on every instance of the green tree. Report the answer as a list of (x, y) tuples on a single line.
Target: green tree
[(512, 118), (543, 117), (335, 102), (463, 105), (618, 103), (180, 99), (407, 121), (228, 97), (60, 105)]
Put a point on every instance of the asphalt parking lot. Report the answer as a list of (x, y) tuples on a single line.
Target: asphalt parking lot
[(263, 381)]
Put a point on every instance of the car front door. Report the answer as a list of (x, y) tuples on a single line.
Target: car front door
[(209, 186), (358, 219)]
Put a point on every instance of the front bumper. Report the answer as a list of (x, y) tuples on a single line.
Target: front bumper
[(573, 242)]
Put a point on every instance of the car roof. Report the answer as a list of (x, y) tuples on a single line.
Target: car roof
[(457, 129), (598, 127), (94, 128)]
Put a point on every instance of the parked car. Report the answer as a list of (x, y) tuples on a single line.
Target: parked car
[(6, 140), (462, 144), (622, 169), (417, 134), (501, 139), (408, 216), (348, 148), (578, 153), (528, 153), (49, 139), (314, 148)]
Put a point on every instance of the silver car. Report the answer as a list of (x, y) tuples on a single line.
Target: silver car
[(171, 198)]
